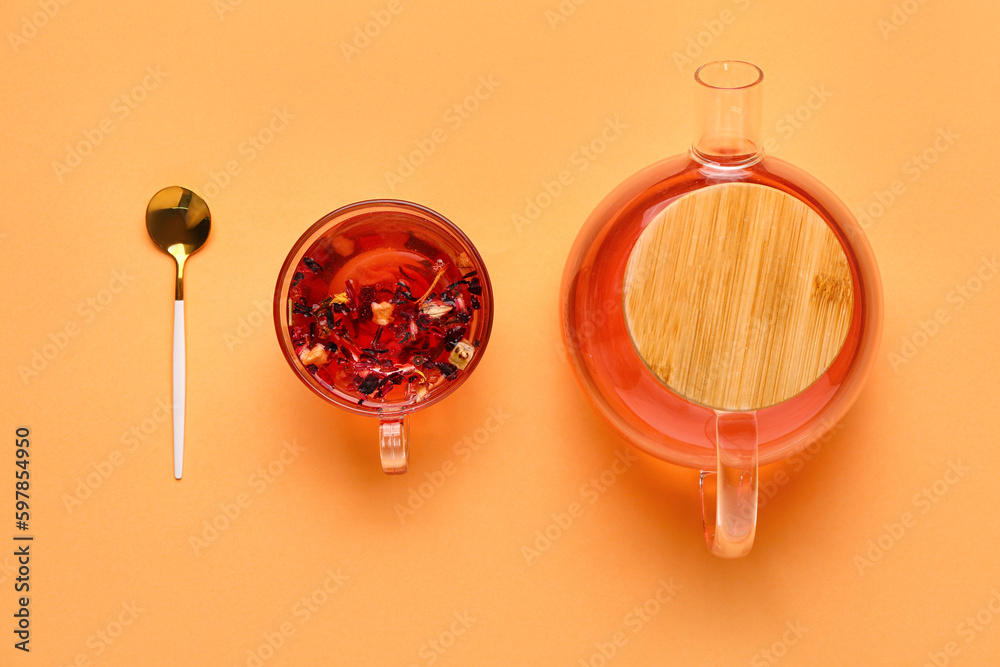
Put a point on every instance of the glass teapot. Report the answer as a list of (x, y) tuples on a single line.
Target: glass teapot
[(721, 307)]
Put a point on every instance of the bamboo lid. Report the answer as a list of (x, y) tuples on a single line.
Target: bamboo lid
[(738, 296)]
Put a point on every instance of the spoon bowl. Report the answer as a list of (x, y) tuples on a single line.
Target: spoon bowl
[(178, 221)]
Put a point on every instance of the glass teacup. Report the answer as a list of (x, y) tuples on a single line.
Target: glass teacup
[(383, 307)]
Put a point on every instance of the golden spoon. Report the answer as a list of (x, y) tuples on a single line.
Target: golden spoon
[(178, 221)]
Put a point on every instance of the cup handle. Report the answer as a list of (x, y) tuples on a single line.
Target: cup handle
[(730, 534), (394, 444)]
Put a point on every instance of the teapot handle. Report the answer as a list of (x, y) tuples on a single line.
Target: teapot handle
[(731, 531)]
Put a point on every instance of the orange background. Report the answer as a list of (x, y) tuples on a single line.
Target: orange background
[(852, 564)]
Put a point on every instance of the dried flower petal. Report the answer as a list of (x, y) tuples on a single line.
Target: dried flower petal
[(340, 298), (449, 371), (435, 309), (369, 384)]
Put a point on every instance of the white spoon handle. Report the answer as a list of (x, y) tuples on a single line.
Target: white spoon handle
[(179, 380)]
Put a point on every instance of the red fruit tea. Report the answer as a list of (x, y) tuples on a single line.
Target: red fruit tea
[(388, 308)]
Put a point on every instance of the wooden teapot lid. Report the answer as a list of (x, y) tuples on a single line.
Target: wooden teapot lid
[(738, 296)]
